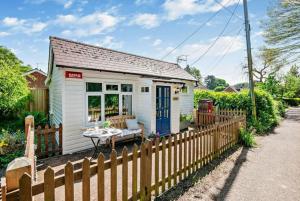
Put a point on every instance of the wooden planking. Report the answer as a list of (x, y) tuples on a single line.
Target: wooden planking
[(163, 165), (69, 182), (86, 194), (175, 160), (185, 154), (156, 167), (49, 185), (25, 188), (60, 130), (190, 153), (134, 172), (142, 171), (113, 176), (149, 170), (100, 177), (3, 189), (180, 157), (46, 138), (169, 161), (39, 141), (125, 174), (194, 152), (53, 141)]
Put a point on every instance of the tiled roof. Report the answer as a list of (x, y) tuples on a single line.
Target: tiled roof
[(79, 55)]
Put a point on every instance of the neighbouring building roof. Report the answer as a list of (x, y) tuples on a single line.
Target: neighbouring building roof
[(36, 78), (230, 89), (83, 56)]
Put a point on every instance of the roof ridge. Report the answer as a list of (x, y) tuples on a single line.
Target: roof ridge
[(122, 52)]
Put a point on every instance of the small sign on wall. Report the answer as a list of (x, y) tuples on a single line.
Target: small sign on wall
[(175, 98), (71, 74)]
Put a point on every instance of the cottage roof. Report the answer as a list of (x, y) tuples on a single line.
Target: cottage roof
[(33, 71), (73, 54)]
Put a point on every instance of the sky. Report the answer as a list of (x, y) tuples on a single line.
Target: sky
[(151, 28)]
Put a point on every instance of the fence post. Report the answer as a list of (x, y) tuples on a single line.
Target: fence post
[(60, 130), (25, 188), (3, 189)]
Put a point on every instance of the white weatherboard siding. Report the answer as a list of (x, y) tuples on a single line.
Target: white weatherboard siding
[(55, 96), (187, 100)]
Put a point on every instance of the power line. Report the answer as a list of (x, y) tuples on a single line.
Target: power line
[(192, 34), (219, 36), (227, 9), (225, 52)]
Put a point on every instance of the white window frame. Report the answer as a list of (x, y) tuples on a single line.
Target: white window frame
[(102, 95)]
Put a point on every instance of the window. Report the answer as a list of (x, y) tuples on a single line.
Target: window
[(111, 105), (126, 87), (184, 90), (127, 104), (112, 87), (94, 108), (93, 87), (144, 89)]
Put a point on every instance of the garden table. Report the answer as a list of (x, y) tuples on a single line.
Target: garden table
[(101, 136)]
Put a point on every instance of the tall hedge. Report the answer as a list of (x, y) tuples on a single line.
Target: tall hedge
[(268, 110)]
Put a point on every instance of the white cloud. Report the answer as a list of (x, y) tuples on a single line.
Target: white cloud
[(92, 24), (38, 26), (145, 20), (110, 42), (156, 43), (142, 2), (4, 33), (68, 4), (13, 21), (176, 9)]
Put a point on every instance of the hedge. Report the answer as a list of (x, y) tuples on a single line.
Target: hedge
[(292, 101), (268, 110)]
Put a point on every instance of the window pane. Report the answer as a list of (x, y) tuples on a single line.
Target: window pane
[(111, 87), (94, 108), (126, 87), (127, 104), (93, 87), (111, 105)]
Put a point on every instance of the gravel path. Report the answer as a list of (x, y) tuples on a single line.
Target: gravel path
[(271, 171)]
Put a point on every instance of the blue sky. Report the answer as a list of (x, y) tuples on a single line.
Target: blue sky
[(145, 27)]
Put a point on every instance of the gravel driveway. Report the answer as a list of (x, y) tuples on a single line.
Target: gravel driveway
[(271, 171)]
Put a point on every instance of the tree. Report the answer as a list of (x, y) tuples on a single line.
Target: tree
[(292, 83), (211, 82), (194, 72), (219, 88), (13, 86), (282, 29), (10, 59), (269, 64)]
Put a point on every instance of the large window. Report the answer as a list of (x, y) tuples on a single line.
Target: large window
[(111, 105), (127, 104), (94, 108)]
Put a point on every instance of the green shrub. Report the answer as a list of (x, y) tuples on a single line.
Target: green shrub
[(292, 101), (267, 108), (186, 117), (247, 138), (40, 118)]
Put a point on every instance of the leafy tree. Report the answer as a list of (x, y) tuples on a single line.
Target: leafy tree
[(212, 82), (10, 59), (273, 85), (292, 83), (13, 86), (194, 72), (282, 29)]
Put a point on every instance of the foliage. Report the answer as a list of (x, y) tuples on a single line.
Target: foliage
[(7, 158), (282, 29), (219, 88), (186, 117), (292, 83), (194, 72), (292, 101), (40, 118), (247, 138), (211, 82), (14, 92), (106, 124), (273, 86), (267, 109)]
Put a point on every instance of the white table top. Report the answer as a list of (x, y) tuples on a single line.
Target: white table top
[(101, 132)]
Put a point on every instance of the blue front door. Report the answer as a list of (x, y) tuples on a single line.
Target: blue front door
[(163, 110)]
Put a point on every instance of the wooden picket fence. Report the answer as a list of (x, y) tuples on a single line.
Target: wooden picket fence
[(46, 141), (154, 169)]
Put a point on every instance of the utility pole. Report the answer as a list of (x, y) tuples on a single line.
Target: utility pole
[(249, 56)]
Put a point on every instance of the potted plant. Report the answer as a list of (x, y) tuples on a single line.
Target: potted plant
[(185, 120)]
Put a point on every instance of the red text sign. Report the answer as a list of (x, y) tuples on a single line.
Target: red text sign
[(71, 74)]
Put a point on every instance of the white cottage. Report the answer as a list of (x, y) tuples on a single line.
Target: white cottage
[(87, 84)]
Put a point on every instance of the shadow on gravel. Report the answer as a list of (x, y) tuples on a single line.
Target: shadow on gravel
[(183, 186)]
